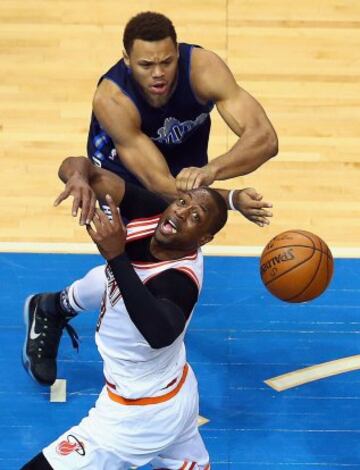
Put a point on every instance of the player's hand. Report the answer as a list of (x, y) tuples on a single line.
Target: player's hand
[(250, 203), (83, 198), (194, 177), (108, 235)]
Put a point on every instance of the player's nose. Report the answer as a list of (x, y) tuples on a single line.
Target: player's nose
[(158, 71), (181, 212)]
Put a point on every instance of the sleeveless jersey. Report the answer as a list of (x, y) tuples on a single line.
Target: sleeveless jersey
[(131, 366), (180, 128)]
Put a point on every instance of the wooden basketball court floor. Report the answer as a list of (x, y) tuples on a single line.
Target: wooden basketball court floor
[(240, 336), (300, 60)]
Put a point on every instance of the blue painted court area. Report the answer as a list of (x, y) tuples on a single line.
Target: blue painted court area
[(239, 337)]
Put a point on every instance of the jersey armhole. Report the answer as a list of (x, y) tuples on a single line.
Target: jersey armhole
[(190, 273), (209, 104)]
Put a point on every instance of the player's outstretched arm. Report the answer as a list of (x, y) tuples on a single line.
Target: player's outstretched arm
[(164, 319), (121, 120), (249, 203), (86, 183), (212, 80)]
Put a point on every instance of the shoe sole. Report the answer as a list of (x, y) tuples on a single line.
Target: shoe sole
[(25, 357)]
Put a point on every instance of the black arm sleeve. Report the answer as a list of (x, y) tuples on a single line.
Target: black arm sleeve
[(139, 202), (159, 309), (39, 462)]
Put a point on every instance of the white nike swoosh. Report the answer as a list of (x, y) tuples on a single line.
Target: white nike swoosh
[(34, 335)]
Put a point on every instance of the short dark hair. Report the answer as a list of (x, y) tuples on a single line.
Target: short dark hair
[(148, 26), (219, 219)]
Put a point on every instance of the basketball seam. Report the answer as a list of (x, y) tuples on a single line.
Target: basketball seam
[(294, 246), (298, 232), (311, 280)]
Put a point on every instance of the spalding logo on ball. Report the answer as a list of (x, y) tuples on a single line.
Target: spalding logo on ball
[(296, 266)]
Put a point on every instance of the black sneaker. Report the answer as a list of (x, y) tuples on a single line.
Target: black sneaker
[(43, 333)]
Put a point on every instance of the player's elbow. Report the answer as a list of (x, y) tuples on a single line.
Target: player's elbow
[(165, 335), (273, 144), (270, 142)]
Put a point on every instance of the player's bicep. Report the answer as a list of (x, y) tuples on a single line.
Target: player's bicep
[(215, 82), (176, 287), (240, 110)]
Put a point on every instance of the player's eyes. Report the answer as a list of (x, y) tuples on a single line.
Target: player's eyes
[(181, 202), (196, 216)]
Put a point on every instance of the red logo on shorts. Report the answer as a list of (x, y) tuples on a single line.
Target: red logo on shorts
[(72, 444)]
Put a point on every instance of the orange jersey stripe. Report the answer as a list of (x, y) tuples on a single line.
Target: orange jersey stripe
[(150, 400)]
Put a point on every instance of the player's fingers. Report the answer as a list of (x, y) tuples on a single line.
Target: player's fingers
[(61, 197), (200, 180), (190, 183), (76, 205), (114, 210), (85, 206), (266, 204), (101, 217), (261, 221), (259, 204), (92, 233), (91, 212), (256, 221), (98, 221), (262, 213), (181, 179)]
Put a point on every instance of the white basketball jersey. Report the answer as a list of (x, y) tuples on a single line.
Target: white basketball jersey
[(130, 364)]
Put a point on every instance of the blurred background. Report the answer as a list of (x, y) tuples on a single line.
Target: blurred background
[(299, 59)]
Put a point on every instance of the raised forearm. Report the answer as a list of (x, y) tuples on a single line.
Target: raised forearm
[(145, 161), (158, 320), (83, 180), (249, 152)]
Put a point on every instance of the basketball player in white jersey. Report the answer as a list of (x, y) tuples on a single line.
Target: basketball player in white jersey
[(147, 411)]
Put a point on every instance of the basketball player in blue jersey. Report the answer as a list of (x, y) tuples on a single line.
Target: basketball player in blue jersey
[(150, 125)]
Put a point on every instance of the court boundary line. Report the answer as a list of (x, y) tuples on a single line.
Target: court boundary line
[(210, 250), (313, 373)]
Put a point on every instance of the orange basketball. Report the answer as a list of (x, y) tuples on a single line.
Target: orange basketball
[(296, 266)]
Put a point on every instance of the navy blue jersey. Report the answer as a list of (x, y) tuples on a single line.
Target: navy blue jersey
[(180, 128)]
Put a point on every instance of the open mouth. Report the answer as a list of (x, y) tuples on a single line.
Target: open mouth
[(159, 88), (169, 227)]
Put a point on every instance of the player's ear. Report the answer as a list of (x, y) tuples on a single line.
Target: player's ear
[(126, 58)]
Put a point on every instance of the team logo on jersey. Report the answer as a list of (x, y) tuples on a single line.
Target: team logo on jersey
[(175, 131), (72, 444)]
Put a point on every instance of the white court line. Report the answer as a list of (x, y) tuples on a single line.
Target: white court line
[(211, 250), (201, 421), (58, 391), (312, 373)]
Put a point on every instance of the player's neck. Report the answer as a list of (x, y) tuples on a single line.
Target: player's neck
[(164, 253)]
